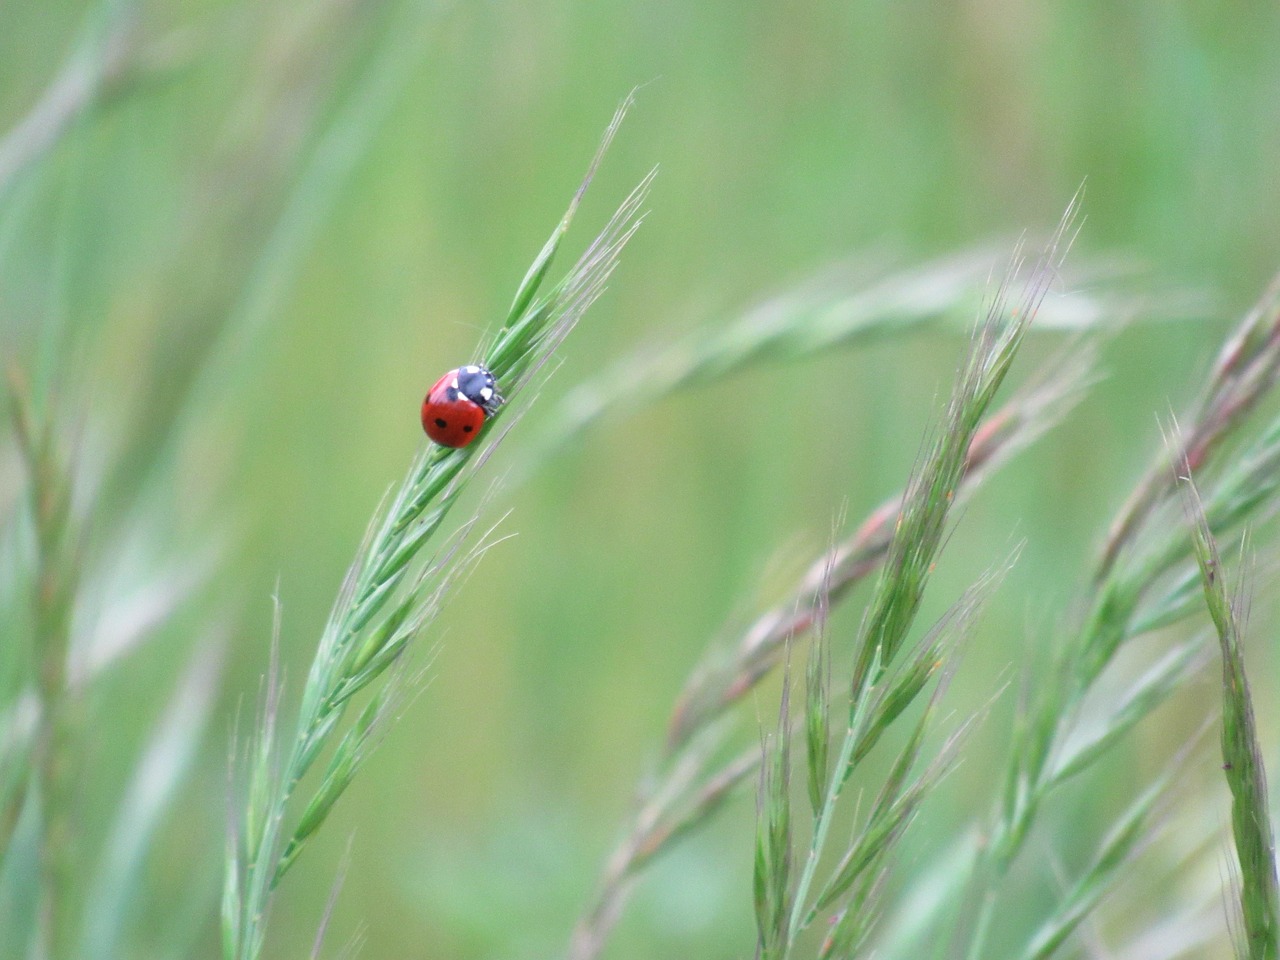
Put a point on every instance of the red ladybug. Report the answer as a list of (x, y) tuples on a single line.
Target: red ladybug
[(456, 407)]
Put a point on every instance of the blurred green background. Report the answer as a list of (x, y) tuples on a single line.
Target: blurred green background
[(244, 263)]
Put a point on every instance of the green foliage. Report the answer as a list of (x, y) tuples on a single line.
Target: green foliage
[(238, 240)]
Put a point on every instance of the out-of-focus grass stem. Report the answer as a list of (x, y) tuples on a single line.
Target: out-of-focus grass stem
[(100, 67), (1244, 372), (57, 568)]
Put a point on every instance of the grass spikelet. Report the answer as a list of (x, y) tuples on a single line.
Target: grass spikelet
[(773, 859), (57, 528), (1241, 753), (835, 309), (1151, 688), (1245, 371), (932, 492), (714, 687), (845, 892), (917, 537), (817, 710), (691, 786), (895, 805), (391, 590), (901, 684), (1142, 581), (852, 924)]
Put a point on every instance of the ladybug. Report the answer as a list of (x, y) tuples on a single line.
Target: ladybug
[(456, 407)]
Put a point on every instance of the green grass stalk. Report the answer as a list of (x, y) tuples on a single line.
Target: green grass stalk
[(837, 309), (50, 477), (1141, 583), (103, 65), (692, 783), (390, 593), (877, 697), (1244, 372), (1242, 765)]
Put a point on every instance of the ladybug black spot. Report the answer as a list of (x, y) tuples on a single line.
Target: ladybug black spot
[(441, 423), (466, 428)]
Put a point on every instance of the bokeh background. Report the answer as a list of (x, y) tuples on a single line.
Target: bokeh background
[(276, 223)]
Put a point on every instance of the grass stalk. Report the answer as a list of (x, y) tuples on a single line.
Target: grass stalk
[(1147, 546), (392, 590), (50, 476), (102, 66), (1242, 764), (825, 814), (1244, 372), (877, 697), (691, 786), (841, 308), (714, 686), (163, 765)]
